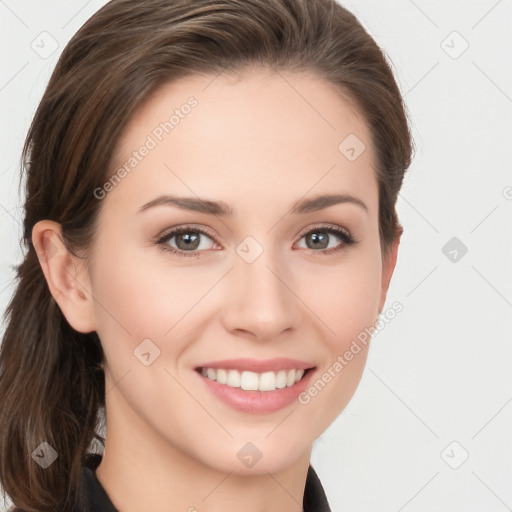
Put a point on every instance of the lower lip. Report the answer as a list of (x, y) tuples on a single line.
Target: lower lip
[(257, 402)]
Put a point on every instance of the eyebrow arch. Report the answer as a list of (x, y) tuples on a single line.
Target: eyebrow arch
[(190, 203), (222, 209), (324, 201)]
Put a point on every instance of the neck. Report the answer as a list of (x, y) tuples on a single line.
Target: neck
[(140, 470)]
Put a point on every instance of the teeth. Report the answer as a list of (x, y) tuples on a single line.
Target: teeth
[(251, 381), (233, 378), (281, 379), (267, 381), (222, 376)]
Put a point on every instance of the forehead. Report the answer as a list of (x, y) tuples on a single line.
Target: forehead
[(264, 133)]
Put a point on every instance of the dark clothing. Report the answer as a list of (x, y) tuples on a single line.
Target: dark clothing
[(95, 499)]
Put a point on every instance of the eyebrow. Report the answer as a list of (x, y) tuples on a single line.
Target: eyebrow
[(220, 208)]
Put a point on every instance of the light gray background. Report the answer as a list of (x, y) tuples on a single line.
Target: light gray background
[(440, 371)]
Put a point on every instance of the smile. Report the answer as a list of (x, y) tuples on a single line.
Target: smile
[(252, 381), (256, 386)]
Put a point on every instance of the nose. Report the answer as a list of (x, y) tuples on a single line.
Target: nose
[(260, 299)]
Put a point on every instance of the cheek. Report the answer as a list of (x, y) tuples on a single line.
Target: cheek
[(346, 301), (344, 297), (138, 298)]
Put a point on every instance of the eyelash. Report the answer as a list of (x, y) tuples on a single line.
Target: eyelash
[(344, 235)]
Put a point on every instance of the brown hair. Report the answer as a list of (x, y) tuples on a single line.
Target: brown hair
[(51, 380)]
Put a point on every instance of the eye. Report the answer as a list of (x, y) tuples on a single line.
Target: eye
[(320, 238), (188, 239), (191, 241)]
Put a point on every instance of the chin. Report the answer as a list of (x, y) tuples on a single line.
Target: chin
[(257, 457)]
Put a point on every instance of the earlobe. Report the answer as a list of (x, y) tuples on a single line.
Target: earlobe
[(65, 274), (388, 266)]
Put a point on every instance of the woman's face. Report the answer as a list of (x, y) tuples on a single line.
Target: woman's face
[(258, 280)]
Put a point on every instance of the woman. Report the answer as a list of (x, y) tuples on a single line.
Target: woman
[(210, 222)]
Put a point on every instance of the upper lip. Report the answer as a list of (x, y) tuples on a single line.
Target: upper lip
[(258, 365)]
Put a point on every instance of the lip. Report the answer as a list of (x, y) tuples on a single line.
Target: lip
[(258, 365), (257, 402)]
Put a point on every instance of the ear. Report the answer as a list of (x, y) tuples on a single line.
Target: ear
[(66, 275), (388, 266)]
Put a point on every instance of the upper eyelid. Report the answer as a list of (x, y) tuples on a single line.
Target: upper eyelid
[(183, 228), (327, 225)]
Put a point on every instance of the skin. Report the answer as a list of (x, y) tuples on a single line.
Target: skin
[(253, 142)]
